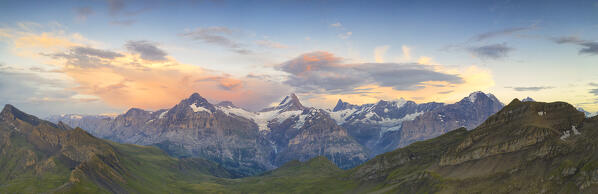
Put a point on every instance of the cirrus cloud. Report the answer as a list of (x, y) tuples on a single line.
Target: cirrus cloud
[(492, 51), (587, 46)]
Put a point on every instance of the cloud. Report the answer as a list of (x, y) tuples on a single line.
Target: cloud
[(147, 50), (83, 13), (125, 79), (116, 6), (216, 35), (41, 95), (492, 51), (406, 52), (85, 57), (126, 22), (380, 52), (503, 32), (446, 92), (336, 25), (594, 91), (270, 44), (345, 35), (322, 72), (591, 48), (531, 88), (568, 39), (587, 47)]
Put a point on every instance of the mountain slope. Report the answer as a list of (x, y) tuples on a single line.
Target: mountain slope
[(39, 156)]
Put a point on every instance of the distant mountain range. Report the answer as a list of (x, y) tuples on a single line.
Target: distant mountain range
[(253, 142), (526, 147), (388, 125)]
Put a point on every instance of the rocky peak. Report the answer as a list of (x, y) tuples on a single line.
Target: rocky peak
[(9, 113), (340, 105), (226, 104), (135, 112), (196, 103), (195, 98), (528, 99), (479, 96), (289, 103)]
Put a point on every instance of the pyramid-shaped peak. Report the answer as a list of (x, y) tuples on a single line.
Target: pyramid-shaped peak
[(196, 99), (289, 99), (290, 102), (340, 105), (528, 99), (195, 102), (196, 96)]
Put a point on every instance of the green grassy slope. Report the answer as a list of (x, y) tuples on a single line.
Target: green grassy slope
[(37, 156)]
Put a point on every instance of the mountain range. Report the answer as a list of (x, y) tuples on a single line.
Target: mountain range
[(526, 147), (250, 143)]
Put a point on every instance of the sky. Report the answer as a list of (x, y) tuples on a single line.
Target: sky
[(106, 56)]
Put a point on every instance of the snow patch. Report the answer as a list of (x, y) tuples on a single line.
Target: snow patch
[(162, 114), (575, 131), (472, 97), (341, 116), (567, 134), (76, 117), (199, 108), (300, 122), (396, 124), (260, 118)]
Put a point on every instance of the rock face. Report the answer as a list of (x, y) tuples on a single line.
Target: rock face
[(243, 141), (38, 156), (312, 134), (388, 125)]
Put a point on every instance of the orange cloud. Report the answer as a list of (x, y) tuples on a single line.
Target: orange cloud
[(126, 79), (129, 81)]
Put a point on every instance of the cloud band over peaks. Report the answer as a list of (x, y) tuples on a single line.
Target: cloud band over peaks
[(322, 72)]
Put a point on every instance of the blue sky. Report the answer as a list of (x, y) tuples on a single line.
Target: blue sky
[(249, 51)]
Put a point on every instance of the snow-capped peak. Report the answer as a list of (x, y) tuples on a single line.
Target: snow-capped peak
[(528, 99), (474, 96), (288, 103)]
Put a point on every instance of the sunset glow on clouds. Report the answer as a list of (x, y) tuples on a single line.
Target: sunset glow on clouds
[(125, 79), (145, 76), (89, 58)]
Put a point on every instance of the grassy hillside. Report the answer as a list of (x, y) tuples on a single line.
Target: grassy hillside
[(38, 156)]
